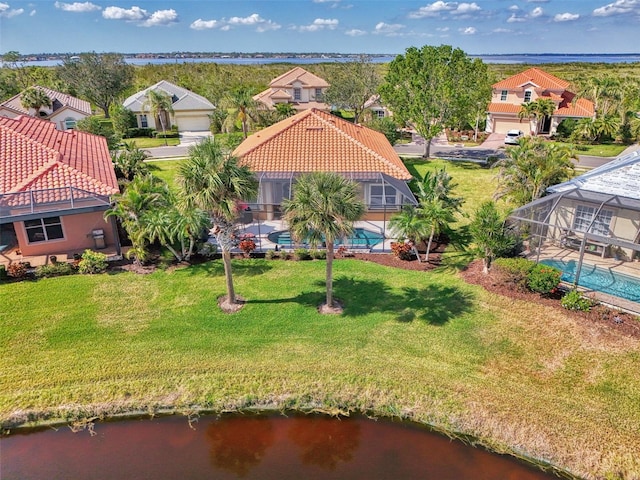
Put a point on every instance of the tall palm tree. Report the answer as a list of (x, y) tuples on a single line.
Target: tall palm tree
[(536, 111), (216, 183), (323, 208), (242, 101), (436, 216), (488, 234), (36, 98), (528, 112), (160, 105)]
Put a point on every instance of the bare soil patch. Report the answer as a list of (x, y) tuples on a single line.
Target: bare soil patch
[(494, 282)]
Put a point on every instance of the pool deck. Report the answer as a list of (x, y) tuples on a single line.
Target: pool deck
[(261, 230), (629, 268)]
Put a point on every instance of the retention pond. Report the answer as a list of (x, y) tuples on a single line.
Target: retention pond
[(252, 447)]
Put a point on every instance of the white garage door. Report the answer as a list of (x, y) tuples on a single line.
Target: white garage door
[(502, 125), (192, 122)]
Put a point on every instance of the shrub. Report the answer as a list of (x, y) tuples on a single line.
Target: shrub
[(3, 272), (17, 270), (301, 254), (247, 244), (54, 270), (92, 262), (271, 254), (574, 300), (167, 134), (543, 279), (140, 132), (516, 270), (319, 254), (403, 251)]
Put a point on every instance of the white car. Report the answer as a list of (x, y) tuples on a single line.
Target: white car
[(513, 137)]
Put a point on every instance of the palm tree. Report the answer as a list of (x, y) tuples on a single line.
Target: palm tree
[(488, 234), (323, 208), (130, 162), (216, 183), (528, 111), (537, 111), (160, 105), (242, 101), (36, 98), (436, 216), (284, 110)]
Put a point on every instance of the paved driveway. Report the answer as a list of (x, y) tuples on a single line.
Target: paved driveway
[(187, 139)]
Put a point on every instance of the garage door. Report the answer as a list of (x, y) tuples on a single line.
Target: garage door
[(503, 125), (192, 122)]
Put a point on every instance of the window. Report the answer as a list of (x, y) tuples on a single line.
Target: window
[(43, 229), (584, 217), (527, 96), (143, 121), (380, 113), (381, 196), (297, 94), (503, 95), (318, 94), (69, 123)]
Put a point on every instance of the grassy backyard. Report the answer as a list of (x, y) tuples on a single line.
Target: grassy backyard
[(422, 345)]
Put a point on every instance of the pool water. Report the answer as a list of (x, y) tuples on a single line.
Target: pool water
[(599, 279), (361, 238)]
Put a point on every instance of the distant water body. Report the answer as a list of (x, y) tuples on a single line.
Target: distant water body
[(524, 58)]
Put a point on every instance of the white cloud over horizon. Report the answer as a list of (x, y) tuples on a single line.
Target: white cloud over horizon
[(77, 7)]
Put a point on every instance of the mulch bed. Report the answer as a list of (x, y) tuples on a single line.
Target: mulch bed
[(622, 322)]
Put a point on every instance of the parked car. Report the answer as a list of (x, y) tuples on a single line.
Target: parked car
[(513, 137)]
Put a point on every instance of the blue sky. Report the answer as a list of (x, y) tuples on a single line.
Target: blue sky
[(345, 26)]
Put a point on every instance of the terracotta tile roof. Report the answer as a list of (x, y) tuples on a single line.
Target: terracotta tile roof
[(34, 155), (504, 108), (309, 79), (540, 78), (60, 100), (314, 140), (568, 106)]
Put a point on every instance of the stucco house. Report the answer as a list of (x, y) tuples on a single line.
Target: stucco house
[(595, 213), (190, 110), (65, 110), (54, 189), (298, 87), (314, 140), (509, 94)]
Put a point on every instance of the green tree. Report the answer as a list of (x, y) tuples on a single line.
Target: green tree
[(100, 78), (36, 98), (488, 233), (532, 167), (129, 162), (537, 111), (284, 110), (388, 127), (122, 119), (433, 87), (160, 105), (323, 209), (99, 126), (352, 85), (216, 183), (408, 224), (241, 100)]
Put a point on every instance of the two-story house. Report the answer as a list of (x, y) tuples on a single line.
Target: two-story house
[(508, 96), (298, 87)]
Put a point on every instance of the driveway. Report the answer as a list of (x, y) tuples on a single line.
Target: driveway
[(187, 139)]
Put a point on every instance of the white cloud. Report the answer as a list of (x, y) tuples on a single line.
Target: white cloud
[(536, 12), (200, 24), (355, 32), (320, 24), (436, 8), (7, 12), (133, 14), (161, 18), (442, 29), (515, 18), (513, 8), (77, 7), (466, 8), (388, 29), (467, 31), (261, 24), (32, 13), (619, 7), (501, 30), (566, 17)]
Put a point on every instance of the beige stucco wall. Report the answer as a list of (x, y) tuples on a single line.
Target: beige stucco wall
[(61, 116), (77, 230)]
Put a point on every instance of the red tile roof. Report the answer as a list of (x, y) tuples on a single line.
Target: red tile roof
[(504, 108), (314, 140), (540, 78), (34, 155), (298, 74), (60, 100)]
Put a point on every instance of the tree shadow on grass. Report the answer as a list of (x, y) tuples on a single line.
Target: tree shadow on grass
[(433, 304), (249, 267)]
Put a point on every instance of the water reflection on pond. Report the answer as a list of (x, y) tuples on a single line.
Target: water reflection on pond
[(252, 447)]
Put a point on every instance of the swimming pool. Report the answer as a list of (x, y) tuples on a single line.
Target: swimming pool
[(361, 238), (599, 279)]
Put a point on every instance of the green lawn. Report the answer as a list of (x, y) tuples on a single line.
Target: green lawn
[(146, 142), (603, 150), (421, 345), (165, 169)]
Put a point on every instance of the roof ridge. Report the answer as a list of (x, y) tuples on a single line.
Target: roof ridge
[(353, 139), (18, 187)]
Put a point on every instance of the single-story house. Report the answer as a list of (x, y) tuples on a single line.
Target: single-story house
[(298, 87), (54, 189), (510, 94), (65, 110), (597, 212), (377, 109), (315, 140), (190, 110)]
